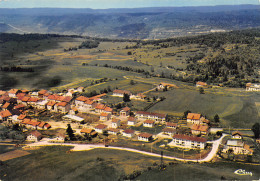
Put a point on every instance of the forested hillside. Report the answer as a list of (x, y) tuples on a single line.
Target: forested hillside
[(144, 23)]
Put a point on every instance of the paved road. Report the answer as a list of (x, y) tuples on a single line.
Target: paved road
[(85, 147)]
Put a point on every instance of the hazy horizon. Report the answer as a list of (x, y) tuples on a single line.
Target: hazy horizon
[(104, 4)]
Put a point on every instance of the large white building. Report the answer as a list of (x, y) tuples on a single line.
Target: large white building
[(190, 142)]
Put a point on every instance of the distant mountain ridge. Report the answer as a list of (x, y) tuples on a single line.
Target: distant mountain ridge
[(144, 23)]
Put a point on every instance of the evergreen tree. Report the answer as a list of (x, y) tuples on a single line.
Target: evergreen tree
[(70, 132), (216, 118), (126, 98), (256, 130), (201, 90)]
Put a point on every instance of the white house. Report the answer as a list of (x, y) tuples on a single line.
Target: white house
[(62, 107), (171, 125), (120, 93), (100, 128), (198, 129), (131, 121), (13, 92), (128, 133), (41, 104), (238, 147), (59, 138), (193, 118), (50, 105), (252, 87), (190, 142), (79, 102), (236, 135), (169, 131), (151, 116), (34, 136), (148, 123), (113, 131), (125, 112), (115, 123), (145, 137), (105, 116)]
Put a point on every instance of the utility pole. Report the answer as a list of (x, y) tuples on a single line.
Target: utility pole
[(161, 159)]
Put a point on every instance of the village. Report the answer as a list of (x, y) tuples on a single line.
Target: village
[(69, 117)]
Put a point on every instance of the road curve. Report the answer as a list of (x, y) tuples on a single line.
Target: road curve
[(85, 147)]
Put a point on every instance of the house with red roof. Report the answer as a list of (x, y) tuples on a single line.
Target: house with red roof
[(4, 115), (41, 93), (34, 136), (20, 107), (79, 101), (88, 132), (33, 101), (7, 106), (113, 131), (88, 105), (41, 125), (50, 105), (62, 107), (128, 133), (108, 110), (131, 121), (125, 111), (148, 123), (25, 100), (100, 108), (145, 137), (13, 92), (105, 116), (198, 129), (171, 125), (169, 131), (100, 128), (189, 142), (21, 117), (193, 118)]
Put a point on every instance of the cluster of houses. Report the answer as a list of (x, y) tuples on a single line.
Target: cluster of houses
[(15, 103)]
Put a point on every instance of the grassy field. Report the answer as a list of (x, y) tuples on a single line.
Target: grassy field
[(199, 172), (234, 111), (6, 148), (53, 163)]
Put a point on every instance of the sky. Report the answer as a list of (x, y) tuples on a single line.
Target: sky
[(104, 4)]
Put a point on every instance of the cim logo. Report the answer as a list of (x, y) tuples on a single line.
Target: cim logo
[(243, 172)]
